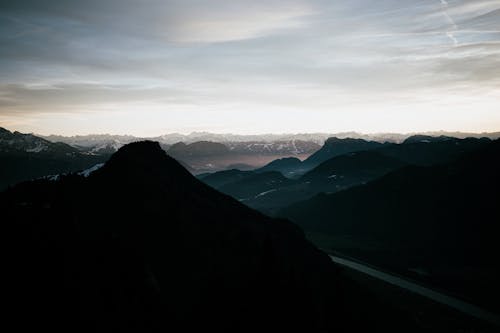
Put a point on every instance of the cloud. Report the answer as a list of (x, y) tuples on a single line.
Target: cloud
[(172, 20), (80, 57)]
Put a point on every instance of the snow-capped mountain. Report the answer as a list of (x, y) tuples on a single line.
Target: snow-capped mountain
[(29, 143), (27, 156), (95, 144), (286, 147), (291, 144)]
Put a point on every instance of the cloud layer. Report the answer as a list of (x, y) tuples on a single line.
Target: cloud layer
[(151, 66)]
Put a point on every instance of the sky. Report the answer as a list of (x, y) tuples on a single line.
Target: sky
[(151, 67)]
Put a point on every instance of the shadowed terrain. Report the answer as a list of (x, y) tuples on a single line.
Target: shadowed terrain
[(140, 244)]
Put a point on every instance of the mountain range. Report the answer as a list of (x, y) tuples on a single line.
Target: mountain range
[(437, 223), (139, 244), (203, 152), (134, 242), (338, 165), (318, 138), (26, 156)]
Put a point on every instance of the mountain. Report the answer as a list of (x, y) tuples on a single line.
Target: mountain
[(278, 147), (317, 138), (26, 156), (341, 171), (95, 144), (141, 245), (255, 185), (96, 141), (427, 150), (331, 176), (197, 149), (201, 156), (205, 156), (438, 224), (288, 166), (269, 191), (248, 151), (335, 147), (16, 142), (221, 178), (352, 168), (427, 139), (294, 167)]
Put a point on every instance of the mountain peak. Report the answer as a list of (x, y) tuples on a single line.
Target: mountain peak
[(427, 139), (143, 162), (336, 140), (335, 147), (141, 149)]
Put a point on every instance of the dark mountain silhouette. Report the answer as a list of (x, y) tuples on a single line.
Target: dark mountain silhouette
[(440, 221), (255, 185), (240, 166), (26, 156), (335, 147), (19, 142), (202, 148), (205, 156), (221, 178), (427, 151), (342, 170), (331, 176), (427, 139), (353, 168), (294, 168), (141, 245), (288, 166), (418, 150), (270, 191)]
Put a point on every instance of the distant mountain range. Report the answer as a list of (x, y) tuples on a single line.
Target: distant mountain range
[(203, 152), (335, 146), (139, 244), (206, 156), (318, 138), (206, 152), (26, 156), (338, 165)]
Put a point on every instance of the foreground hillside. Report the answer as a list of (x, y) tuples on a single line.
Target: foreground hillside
[(438, 224), (141, 245)]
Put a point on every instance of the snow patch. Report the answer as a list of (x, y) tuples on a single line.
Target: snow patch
[(87, 172), (264, 193), (39, 148)]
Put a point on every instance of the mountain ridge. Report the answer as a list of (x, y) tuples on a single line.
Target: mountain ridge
[(183, 249), (441, 220)]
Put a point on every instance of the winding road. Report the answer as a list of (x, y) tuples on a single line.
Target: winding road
[(441, 298)]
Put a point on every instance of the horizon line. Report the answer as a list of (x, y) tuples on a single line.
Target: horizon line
[(187, 134)]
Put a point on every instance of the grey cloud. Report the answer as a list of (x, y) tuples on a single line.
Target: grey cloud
[(56, 98), (194, 52)]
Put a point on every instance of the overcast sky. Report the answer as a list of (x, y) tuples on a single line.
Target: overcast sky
[(150, 67)]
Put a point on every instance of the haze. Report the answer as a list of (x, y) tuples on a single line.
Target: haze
[(152, 67)]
